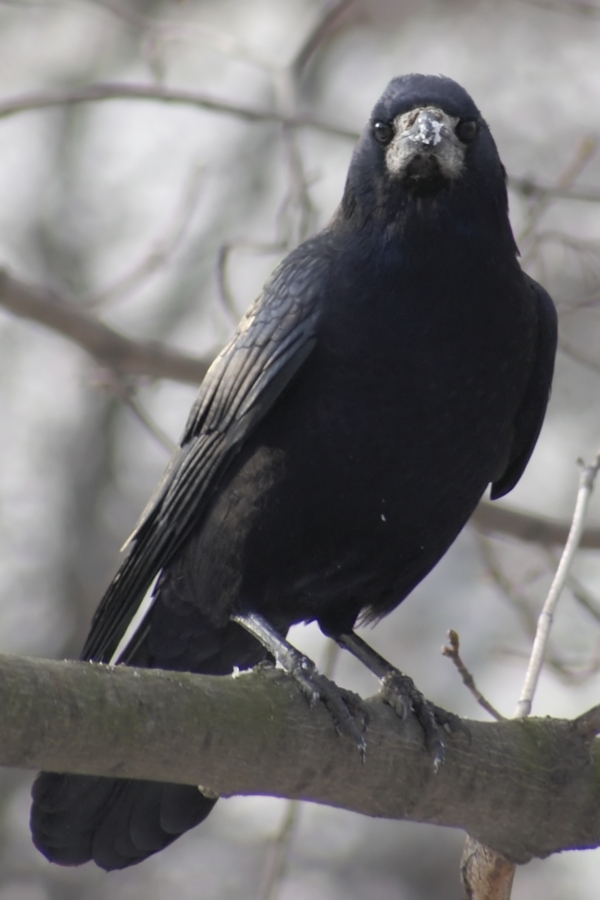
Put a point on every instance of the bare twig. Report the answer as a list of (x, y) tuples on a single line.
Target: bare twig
[(527, 187), (160, 31), (322, 28), (117, 385), (541, 202), (575, 354), (277, 852), (160, 252), (106, 345), (92, 93), (451, 650), (583, 597), (517, 598), (128, 16), (531, 528), (223, 257), (573, 7), (521, 603), (569, 674), (586, 485), (581, 594)]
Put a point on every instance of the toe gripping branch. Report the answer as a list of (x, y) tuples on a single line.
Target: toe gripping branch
[(342, 707), (402, 694)]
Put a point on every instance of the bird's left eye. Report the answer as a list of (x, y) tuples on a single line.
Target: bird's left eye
[(466, 130), (383, 132)]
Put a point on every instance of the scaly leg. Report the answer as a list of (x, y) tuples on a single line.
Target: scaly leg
[(313, 685)]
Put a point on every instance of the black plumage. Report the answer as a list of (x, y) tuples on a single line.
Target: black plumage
[(394, 366)]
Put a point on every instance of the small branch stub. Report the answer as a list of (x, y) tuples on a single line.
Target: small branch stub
[(451, 650)]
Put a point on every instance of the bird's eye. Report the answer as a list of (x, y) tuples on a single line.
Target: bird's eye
[(383, 132), (466, 130)]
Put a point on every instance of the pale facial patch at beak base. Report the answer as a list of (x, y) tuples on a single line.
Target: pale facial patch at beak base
[(425, 133)]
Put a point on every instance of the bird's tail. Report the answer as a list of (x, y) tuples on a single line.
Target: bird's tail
[(113, 821), (119, 822)]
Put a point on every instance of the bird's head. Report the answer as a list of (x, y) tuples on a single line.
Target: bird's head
[(425, 140)]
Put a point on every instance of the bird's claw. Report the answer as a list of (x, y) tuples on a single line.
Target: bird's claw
[(401, 693), (344, 708)]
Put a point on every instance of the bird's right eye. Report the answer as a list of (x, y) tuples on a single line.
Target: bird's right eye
[(383, 132)]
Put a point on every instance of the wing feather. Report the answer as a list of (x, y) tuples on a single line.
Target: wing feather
[(530, 415), (272, 341)]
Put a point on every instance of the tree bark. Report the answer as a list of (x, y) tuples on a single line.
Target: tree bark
[(525, 788)]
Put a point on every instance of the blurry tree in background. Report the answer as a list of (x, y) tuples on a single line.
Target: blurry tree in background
[(161, 214)]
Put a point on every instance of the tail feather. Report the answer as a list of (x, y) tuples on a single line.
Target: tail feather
[(119, 822), (114, 822)]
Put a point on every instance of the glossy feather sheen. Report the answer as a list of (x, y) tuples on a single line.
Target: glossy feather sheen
[(395, 366)]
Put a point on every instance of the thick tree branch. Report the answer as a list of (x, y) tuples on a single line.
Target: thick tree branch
[(526, 788)]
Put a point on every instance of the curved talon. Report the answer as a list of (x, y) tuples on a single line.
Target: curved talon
[(316, 686), (398, 689)]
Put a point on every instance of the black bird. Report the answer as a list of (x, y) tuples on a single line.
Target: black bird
[(394, 366)]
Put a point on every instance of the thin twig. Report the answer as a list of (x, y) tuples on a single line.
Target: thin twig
[(583, 597), (529, 527), (541, 202), (568, 673), (451, 650), (322, 27), (581, 594), (521, 603), (277, 852), (92, 93), (486, 873), (128, 16), (223, 256), (527, 187), (586, 485), (573, 7), (160, 31), (159, 252), (126, 393), (518, 600)]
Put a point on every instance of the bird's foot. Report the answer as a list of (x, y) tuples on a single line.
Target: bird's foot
[(347, 710), (401, 693)]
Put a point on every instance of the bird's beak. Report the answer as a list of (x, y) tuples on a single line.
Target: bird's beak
[(425, 148), (427, 130)]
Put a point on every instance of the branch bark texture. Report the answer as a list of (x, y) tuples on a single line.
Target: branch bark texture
[(524, 788)]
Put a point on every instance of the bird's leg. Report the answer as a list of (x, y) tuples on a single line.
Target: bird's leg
[(400, 692), (311, 682)]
